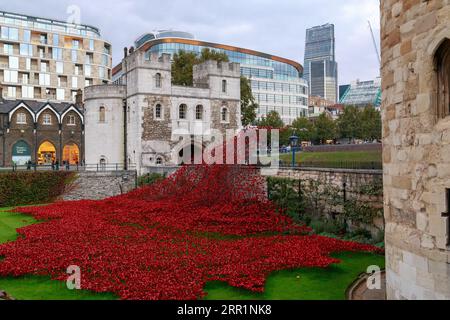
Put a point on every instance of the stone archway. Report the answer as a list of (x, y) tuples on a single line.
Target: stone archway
[(71, 154), (46, 153), (21, 153), (191, 154)]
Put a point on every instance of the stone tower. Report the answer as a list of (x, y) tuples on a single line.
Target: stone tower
[(415, 44), (149, 122)]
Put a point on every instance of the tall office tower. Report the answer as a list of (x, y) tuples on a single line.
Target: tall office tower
[(321, 69), (49, 60)]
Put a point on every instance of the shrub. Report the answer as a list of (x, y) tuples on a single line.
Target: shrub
[(327, 226), (150, 179), (285, 193), (23, 188)]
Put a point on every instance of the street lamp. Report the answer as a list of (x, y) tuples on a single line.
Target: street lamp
[(294, 143)]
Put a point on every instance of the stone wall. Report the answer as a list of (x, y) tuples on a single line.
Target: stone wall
[(100, 185), (416, 149), (358, 185)]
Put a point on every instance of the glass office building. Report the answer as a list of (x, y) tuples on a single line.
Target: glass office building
[(277, 83), (363, 93), (321, 68)]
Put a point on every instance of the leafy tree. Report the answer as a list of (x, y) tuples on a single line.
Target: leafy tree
[(248, 103), (349, 123), (325, 129), (271, 120), (303, 129), (182, 68), (208, 54), (359, 123), (370, 124)]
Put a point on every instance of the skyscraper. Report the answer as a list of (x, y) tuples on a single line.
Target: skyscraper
[(320, 64)]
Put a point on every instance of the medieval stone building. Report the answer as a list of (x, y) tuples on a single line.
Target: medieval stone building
[(146, 121), (416, 128), (40, 132)]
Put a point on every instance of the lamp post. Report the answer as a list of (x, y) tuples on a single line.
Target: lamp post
[(294, 143)]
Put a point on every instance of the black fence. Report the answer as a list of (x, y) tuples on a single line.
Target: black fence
[(67, 167), (354, 165)]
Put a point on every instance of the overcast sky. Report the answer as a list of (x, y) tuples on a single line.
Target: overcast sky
[(271, 26)]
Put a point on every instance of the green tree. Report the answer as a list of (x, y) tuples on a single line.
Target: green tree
[(349, 123), (182, 68), (271, 120), (325, 129), (303, 129), (208, 54), (248, 103), (370, 124)]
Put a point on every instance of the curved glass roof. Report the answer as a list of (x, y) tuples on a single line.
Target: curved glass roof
[(160, 35)]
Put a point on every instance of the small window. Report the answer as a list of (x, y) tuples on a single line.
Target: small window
[(21, 118), (158, 80), (47, 119), (158, 112), (159, 161), (102, 114), (224, 86), (443, 74), (182, 111), (199, 112), (71, 121), (102, 163), (225, 115)]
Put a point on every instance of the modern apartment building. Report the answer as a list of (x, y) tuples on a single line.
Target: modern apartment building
[(277, 82), (49, 60), (321, 68)]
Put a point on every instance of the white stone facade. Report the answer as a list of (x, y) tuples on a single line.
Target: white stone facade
[(416, 155), (158, 114)]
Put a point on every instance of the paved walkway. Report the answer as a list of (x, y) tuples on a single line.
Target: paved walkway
[(359, 291)]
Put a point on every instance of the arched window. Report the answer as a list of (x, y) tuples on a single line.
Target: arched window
[(102, 114), (158, 111), (182, 111), (21, 118), (225, 115), (199, 112), (224, 86), (159, 161), (443, 75), (102, 163), (158, 80)]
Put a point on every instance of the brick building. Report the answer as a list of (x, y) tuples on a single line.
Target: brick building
[(415, 39), (40, 132)]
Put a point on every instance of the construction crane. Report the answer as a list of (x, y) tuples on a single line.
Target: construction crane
[(375, 43)]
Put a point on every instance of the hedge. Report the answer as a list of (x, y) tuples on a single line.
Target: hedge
[(25, 188)]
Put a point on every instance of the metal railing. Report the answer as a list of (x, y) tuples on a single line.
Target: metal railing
[(98, 167), (352, 165)]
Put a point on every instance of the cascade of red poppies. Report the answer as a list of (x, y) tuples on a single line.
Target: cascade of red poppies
[(166, 241)]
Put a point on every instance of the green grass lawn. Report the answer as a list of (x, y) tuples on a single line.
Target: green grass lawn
[(301, 284), (340, 156)]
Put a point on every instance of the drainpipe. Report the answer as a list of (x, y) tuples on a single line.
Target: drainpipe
[(125, 115), (125, 160)]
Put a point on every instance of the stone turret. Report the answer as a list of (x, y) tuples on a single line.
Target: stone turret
[(416, 130)]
